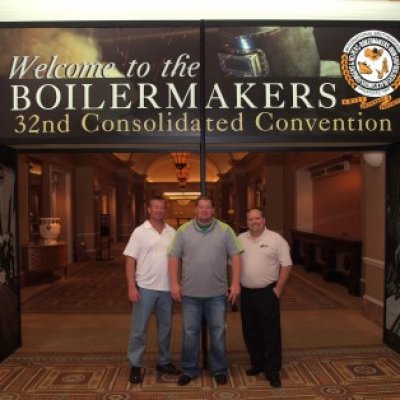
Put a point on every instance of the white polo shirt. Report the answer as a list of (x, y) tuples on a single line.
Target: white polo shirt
[(262, 258), (149, 249)]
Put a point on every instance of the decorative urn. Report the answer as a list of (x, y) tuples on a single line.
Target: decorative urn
[(49, 229)]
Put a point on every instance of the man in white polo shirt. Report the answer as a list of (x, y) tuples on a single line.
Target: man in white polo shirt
[(148, 288), (266, 265)]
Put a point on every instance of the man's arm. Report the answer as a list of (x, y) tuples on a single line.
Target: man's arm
[(130, 270), (234, 289), (283, 277), (173, 267)]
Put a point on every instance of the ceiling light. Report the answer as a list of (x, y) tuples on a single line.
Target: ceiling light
[(373, 159), (181, 195), (183, 202), (180, 160)]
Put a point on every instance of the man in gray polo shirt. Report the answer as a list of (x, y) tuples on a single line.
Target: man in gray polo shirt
[(204, 244)]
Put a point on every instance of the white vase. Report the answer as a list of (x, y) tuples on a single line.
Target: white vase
[(49, 229)]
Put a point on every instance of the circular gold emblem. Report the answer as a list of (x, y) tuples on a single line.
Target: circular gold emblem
[(370, 63)]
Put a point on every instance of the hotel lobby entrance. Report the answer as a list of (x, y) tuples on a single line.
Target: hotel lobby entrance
[(98, 119)]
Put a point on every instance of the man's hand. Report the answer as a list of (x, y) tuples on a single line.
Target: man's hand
[(277, 292), (283, 277), (176, 293), (133, 294), (233, 293)]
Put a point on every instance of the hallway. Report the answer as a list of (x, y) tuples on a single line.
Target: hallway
[(108, 332), (328, 317)]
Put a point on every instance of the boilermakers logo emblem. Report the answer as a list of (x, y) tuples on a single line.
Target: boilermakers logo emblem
[(370, 65)]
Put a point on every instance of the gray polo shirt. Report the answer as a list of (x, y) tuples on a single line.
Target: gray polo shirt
[(204, 257)]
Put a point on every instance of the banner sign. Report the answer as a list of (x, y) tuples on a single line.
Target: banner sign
[(137, 84)]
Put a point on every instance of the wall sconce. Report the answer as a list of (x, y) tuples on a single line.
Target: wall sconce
[(35, 168), (373, 159), (96, 190)]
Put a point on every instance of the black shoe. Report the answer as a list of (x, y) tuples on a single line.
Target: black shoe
[(184, 380), (168, 369), (253, 371), (274, 380), (134, 376), (221, 379)]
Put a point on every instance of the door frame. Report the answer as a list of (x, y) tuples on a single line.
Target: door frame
[(10, 311)]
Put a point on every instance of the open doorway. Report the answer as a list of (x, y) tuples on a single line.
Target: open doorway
[(290, 186)]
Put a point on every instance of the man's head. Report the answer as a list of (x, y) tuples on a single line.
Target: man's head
[(157, 209), (204, 210), (255, 221)]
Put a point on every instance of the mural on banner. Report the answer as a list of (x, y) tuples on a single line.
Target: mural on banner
[(304, 80), (139, 83), (94, 83)]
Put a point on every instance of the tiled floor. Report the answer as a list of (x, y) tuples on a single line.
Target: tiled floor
[(344, 326)]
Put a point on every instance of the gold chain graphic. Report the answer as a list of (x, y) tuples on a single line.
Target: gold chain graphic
[(384, 102), (344, 62)]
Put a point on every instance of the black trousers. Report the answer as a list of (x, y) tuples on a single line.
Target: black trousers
[(261, 326)]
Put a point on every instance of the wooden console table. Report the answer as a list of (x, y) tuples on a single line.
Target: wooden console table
[(41, 256), (336, 258)]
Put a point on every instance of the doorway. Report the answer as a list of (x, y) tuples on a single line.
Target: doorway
[(237, 181)]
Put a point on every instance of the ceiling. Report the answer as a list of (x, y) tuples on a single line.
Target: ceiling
[(159, 167), (178, 10)]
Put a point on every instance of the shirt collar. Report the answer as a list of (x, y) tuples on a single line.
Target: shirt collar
[(259, 237), (148, 225), (196, 225)]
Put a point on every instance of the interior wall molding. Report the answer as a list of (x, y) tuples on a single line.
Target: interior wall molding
[(372, 262), (373, 300)]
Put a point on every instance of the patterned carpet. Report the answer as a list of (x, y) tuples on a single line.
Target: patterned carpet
[(99, 286), (346, 373)]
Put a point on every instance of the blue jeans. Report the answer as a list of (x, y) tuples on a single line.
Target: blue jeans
[(214, 311), (161, 303)]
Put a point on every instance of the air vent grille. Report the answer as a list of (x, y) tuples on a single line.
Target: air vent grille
[(328, 170)]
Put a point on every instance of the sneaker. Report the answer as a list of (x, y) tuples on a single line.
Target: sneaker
[(135, 376), (184, 380), (274, 380), (221, 379), (168, 369), (253, 371)]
